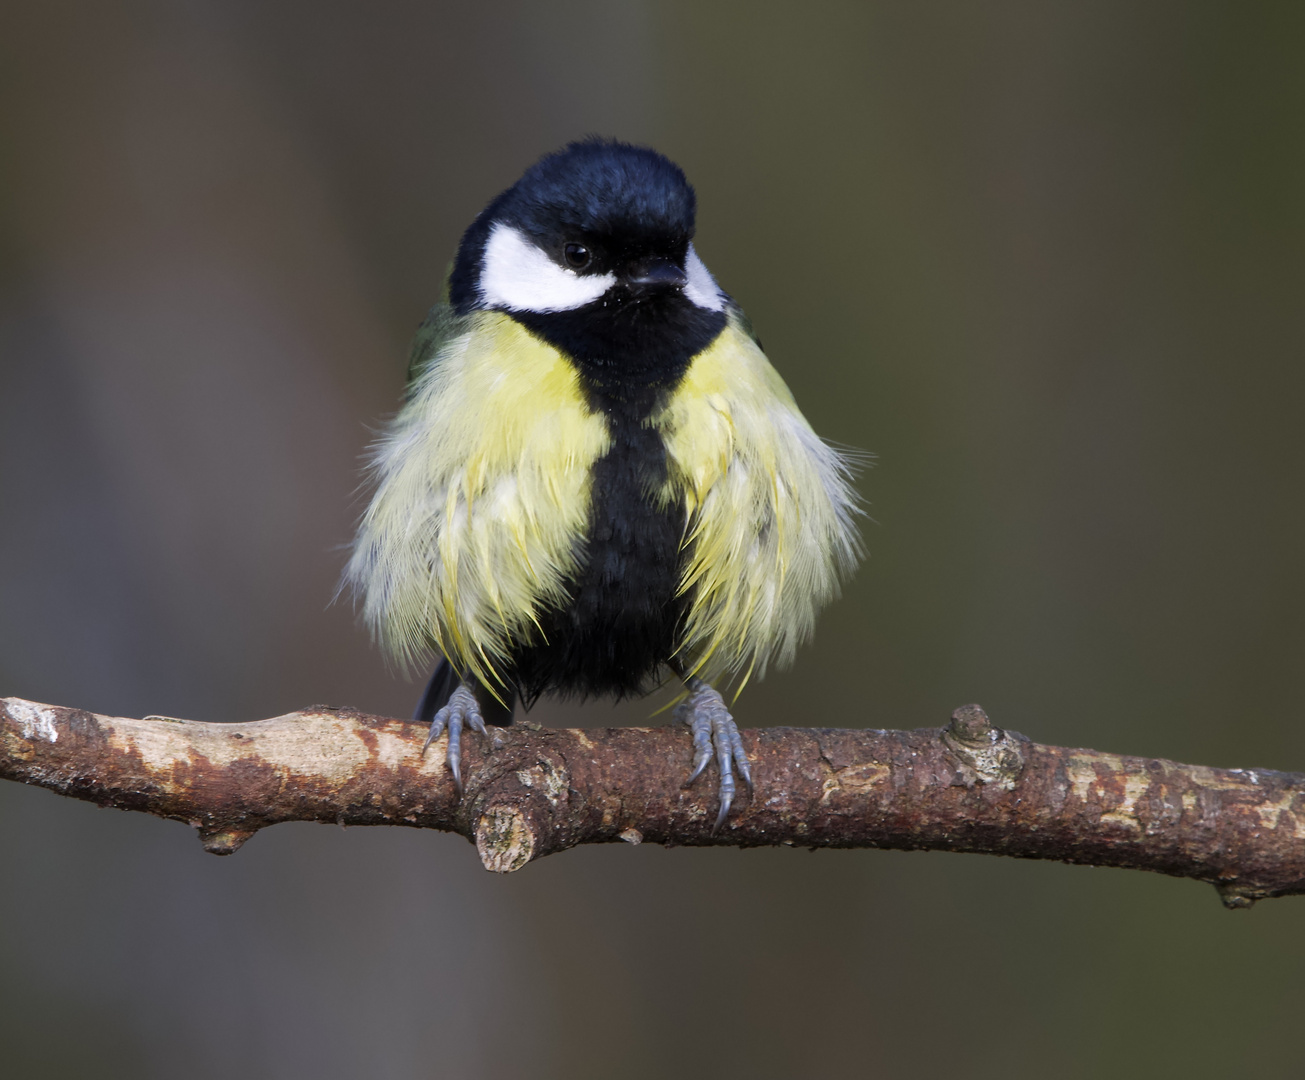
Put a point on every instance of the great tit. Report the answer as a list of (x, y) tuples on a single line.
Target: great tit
[(596, 476)]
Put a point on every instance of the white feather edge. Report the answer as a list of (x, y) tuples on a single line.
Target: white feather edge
[(701, 288)]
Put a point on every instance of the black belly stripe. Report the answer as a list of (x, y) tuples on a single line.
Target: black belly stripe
[(623, 617)]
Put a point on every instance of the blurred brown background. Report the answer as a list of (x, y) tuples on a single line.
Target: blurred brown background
[(1045, 259)]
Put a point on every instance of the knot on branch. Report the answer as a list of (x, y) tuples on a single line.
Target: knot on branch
[(224, 841), (986, 753), (1238, 897)]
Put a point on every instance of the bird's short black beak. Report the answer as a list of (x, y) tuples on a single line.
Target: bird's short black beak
[(656, 274)]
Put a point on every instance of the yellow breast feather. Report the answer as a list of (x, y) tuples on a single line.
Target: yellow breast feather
[(770, 510), (482, 494)]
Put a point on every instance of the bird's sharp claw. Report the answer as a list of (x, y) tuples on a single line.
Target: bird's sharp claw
[(741, 758), (436, 729), (725, 801)]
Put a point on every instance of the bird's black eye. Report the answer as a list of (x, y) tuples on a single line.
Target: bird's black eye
[(577, 256)]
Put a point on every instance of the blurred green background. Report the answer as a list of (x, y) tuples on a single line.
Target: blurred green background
[(1044, 259)]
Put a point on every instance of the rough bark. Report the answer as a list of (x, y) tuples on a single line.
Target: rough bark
[(532, 791)]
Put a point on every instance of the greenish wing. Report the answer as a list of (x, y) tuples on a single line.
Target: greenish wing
[(441, 324), (740, 319)]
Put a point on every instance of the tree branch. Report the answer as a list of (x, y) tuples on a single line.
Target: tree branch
[(532, 791)]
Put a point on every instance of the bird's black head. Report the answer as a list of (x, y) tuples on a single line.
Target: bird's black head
[(615, 195), (592, 249)]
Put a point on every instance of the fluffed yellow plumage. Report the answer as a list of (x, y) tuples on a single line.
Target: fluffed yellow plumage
[(770, 510), (483, 490)]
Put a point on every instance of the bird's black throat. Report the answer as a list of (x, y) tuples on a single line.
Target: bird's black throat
[(624, 612)]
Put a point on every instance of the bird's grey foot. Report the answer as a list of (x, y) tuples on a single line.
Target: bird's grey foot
[(462, 708), (713, 728)]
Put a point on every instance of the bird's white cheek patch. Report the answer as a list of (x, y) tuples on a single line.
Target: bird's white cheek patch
[(518, 276), (701, 287)]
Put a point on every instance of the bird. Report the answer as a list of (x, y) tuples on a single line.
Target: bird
[(597, 480)]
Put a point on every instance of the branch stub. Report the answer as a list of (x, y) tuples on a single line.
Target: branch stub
[(505, 840)]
